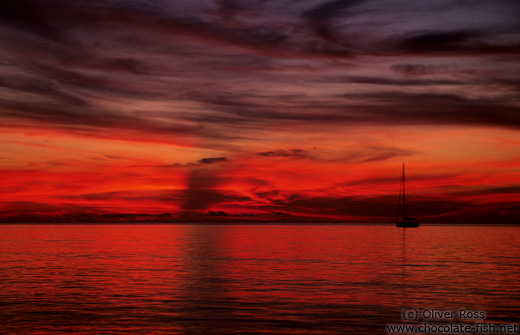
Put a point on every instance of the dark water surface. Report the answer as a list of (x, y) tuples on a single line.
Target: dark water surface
[(230, 279)]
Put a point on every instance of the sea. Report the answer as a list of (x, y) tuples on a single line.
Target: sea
[(254, 279)]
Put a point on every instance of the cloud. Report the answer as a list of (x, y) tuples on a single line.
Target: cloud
[(201, 191), (491, 191), (366, 154), (401, 107), (374, 154), (383, 208), (39, 208), (187, 72), (440, 41), (396, 82), (292, 153), (320, 18), (200, 163), (392, 107), (462, 43), (211, 160), (411, 69), (42, 88), (29, 16)]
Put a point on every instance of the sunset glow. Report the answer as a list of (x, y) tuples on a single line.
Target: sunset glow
[(261, 109)]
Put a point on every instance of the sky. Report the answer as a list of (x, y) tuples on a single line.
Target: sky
[(303, 107)]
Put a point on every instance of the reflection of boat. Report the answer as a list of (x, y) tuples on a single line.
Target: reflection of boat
[(404, 222)]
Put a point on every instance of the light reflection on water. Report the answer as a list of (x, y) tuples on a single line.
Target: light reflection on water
[(225, 279)]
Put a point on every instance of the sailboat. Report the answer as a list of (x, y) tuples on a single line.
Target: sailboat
[(404, 222)]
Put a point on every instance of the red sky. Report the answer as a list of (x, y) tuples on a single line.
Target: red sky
[(300, 107)]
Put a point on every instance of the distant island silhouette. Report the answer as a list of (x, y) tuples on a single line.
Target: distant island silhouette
[(214, 217), (208, 217)]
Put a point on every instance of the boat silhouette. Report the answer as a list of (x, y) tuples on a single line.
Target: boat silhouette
[(404, 222)]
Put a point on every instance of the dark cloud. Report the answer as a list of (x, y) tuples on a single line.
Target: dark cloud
[(430, 108), (292, 153), (46, 163), (113, 157), (84, 66), (43, 88), (397, 107), (211, 160), (171, 196), (372, 182), (330, 9), (201, 191), (491, 191), (374, 154), (89, 119), (269, 194), (30, 16), (394, 81), (415, 69), (118, 64), (38, 208), (320, 18), (229, 9), (440, 41), (383, 208), (367, 154), (200, 163)]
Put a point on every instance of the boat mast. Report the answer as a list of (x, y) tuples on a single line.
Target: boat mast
[(404, 215)]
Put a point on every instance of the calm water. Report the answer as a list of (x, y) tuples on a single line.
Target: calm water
[(205, 279)]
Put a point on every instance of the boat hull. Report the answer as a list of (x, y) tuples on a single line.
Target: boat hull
[(407, 224)]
